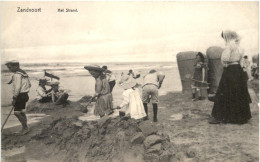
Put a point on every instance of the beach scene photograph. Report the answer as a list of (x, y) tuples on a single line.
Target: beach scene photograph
[(157, 81)]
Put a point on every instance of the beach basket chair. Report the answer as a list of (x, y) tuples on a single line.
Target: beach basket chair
[(215, 67)]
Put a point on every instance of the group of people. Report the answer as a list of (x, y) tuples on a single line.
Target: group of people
[(105, 82), (21, 88), (54, 94), (231, 103), (232, 99), (199, 78), (133, 104)]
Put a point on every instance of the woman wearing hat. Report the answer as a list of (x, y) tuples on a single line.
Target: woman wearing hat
[(21, 88), (232, 99), (104, 104), (132, 101)]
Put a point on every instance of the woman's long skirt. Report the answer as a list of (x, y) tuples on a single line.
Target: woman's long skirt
[(104, 105), (232, 99)]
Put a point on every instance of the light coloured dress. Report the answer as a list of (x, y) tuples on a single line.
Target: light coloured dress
[(245, 63), (104, 104), (133, 103)]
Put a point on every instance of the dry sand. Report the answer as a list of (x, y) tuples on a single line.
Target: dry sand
[(183, 121)]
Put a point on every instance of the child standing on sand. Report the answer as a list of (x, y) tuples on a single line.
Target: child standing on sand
[(199, 77), (132, 101)]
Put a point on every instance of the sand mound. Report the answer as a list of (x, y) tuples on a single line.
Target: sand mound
[(109, 139), (36, 107)]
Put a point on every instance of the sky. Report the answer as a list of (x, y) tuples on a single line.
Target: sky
[(122, 31)]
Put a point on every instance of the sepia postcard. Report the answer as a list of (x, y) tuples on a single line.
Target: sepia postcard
[(129, 81)]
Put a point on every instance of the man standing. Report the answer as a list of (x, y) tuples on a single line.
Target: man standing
[(21, 88), (152, 82)]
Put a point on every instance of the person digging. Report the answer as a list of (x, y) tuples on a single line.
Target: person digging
[(21, 88), (152, 83)]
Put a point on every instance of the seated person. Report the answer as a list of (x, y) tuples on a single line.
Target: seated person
[(42, 94), (58, 96)]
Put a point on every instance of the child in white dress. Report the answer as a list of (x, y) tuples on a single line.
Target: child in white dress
[(132, 102)]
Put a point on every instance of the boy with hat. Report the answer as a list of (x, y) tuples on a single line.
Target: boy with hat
[(21, 88)]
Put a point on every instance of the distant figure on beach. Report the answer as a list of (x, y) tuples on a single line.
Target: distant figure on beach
[(21, 88), (131, 73), (245, 64), (232, 100), (42, 94), (255, 71), (59, 96), (199, 79), (104, 104), (152, 82), (132, 101), (110, 77)]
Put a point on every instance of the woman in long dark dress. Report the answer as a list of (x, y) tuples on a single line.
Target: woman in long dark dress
[(232, 99)]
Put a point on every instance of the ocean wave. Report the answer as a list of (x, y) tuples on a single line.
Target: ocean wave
[(65, 69)]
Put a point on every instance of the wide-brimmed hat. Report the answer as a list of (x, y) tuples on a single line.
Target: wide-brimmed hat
[(53, 83), (94, 67), (11, 61), (127, 82)]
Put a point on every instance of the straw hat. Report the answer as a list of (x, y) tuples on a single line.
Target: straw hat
[(127, 82), (94, 67), (11, 62)]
